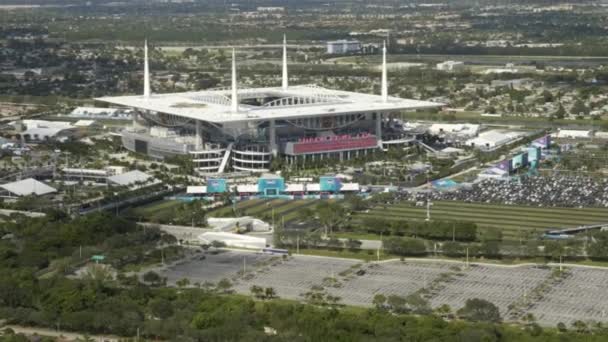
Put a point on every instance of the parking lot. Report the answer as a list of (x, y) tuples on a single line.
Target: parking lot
[(579, 295), (213, 267)]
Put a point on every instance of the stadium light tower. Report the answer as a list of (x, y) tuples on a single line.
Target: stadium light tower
[(384, 79), (285, 82), (146, 72), (235, 100)]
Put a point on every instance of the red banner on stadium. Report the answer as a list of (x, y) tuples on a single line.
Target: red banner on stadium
[(340, 143)]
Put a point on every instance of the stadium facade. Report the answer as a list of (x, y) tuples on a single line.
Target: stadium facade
[(243, 129)]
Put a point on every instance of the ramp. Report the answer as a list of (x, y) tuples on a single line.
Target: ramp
[(427, 147), (225, 159)]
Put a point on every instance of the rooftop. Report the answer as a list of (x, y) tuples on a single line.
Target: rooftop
[(27, 187), (295, 101)]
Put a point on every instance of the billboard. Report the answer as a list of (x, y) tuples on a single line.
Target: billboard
[(329, 184), (505, 165), (533, 154), (334, 143), (519, 160), (271, 186), (216, 185)]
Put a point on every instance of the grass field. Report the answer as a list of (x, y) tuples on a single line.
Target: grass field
[(156, 211), (285, 210), (513, 221)]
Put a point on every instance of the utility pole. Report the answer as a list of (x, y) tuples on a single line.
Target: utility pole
[(298, 244), (244, 264), (467, 261)]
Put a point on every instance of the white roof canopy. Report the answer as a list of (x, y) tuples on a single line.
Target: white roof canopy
[(27, 187)]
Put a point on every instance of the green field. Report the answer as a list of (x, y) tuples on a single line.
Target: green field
[(156, 211), (513, 221), (285, 210)]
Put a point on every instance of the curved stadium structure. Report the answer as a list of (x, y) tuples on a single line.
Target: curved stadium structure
[(244, 129)]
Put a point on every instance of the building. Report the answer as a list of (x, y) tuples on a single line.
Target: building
[(273, 186), (450, 66), (493, 139), (100, 113), (42, 130), (244, 129), (133, 179), (456, 130), (573, 134), (91, 175), (341, 47), (25, 187)]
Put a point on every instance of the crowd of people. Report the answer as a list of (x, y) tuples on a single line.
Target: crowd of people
[(540, 191)]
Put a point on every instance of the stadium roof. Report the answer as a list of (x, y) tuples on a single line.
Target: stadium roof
[(298, 101), (226, 105), (27, 187)]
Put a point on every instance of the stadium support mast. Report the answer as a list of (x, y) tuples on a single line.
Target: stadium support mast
[(285, 77), (384, 80), (146, 72), (235, 100)]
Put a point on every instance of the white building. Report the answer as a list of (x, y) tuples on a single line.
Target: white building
[(450, 66), (244, 129), (100, 113), (493, 139), (459, 130), (339, 47), (133, 179), (42, 130), (573, 134)]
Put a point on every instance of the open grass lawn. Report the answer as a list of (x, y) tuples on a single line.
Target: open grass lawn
[(286, 210), (513, 221), (156, 210)]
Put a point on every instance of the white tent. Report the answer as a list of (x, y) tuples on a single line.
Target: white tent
[(27, 187)]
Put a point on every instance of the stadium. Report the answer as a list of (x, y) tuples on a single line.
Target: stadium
[(243, 129)]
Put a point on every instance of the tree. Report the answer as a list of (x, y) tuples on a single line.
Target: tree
[(218, 244), (397, 304), (353, 244), (152, 278), (418, 305), (480, 310), (452, 249), (257, 291), (335, 243), (560, 113), (269, 293), (579, 108), (404, 247), (379, 301), (490, 248), (161, 308), (224, 285), (331, 216), (183, 282)]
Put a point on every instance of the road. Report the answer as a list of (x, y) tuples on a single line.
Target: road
[(184, 233), (62, 335)]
